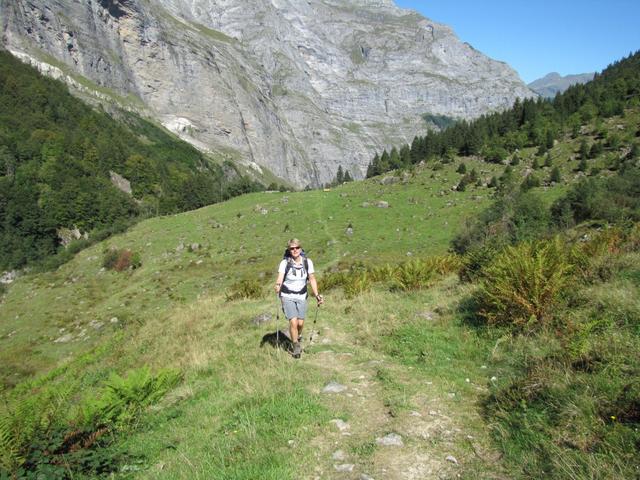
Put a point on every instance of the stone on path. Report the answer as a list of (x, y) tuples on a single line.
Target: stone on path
[(452, 459), (345, 467), (342, 425), (390, 440), (339, 455), (334, 387)]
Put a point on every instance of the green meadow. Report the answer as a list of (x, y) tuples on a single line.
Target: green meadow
[(141, 357)]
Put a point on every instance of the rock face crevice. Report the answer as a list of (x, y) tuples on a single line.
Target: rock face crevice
[(297, 87)]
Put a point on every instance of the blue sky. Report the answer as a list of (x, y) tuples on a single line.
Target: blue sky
[(536, 38)]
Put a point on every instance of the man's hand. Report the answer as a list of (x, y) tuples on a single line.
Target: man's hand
[(320, 299)]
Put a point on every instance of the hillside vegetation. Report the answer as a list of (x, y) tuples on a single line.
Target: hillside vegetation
[(57, 156), (486, 331)]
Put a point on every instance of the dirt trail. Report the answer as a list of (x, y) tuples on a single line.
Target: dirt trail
[(371, 438)]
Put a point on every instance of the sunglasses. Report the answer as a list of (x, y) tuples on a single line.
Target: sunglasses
[(294, 248)]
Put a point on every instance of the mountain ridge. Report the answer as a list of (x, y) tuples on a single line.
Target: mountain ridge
[(299, 89), (553, 83)]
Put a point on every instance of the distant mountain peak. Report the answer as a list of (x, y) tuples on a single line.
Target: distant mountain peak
[(553, 83)]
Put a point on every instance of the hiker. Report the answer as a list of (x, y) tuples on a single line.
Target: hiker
[(294, 271)]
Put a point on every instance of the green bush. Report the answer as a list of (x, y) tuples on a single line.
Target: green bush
[(413, 275), (523, 285), (245, 289), (356, 283), (121, 259), (123, 399)]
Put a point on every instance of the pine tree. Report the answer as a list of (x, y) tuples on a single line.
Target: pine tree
[(347, 177), (555, 176), (584, 149), (536, 164), (339, 176), (462, 168)]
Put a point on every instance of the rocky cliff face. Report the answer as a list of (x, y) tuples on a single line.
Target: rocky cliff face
[(297, 87)]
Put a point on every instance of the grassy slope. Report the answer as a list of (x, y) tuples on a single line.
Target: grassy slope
[(241, 408)]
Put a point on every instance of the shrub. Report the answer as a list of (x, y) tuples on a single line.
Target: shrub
[(245, 289), (123, 399), (523, 284), (592, 255), (330, 280), (413, 275), (356, 283), (121, 259)]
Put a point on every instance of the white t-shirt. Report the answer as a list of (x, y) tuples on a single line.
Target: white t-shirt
[(296, 278)]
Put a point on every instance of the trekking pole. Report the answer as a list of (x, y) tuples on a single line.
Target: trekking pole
[(313, 327), (277, 323)]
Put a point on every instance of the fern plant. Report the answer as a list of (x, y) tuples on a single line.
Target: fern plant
[(356, 283), (123, 399), (412, 275), (10, 455), (524, 283)]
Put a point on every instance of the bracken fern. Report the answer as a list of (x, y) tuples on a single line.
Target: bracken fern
[(524, 283)]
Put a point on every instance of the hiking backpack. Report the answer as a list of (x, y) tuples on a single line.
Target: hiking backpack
[(289, 266)]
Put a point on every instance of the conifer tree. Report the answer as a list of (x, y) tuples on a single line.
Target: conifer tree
[(584, 149)]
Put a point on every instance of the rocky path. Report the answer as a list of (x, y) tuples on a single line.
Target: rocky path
[(372, 437)]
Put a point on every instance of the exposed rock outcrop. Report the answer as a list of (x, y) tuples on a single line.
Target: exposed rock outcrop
[(297, 87)]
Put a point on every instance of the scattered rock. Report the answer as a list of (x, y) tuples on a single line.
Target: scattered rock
[(390, 440), (389, 180), (452, 459), (120, 182), (334, 387), (342, 425), (262, 319), (339, 455), (364, 476), (426, 315), (382, 204), (114, 320), (64, 339), (8, 277), (345, 467), (365, 204)]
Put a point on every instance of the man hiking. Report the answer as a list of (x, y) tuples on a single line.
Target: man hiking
[(294, 271)]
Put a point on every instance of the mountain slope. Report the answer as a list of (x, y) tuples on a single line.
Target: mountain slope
[(299, 88), (65, 166)]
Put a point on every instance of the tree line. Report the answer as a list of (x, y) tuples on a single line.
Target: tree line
[(529, 123)]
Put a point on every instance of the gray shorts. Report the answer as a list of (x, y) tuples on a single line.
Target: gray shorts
[(294, 308)]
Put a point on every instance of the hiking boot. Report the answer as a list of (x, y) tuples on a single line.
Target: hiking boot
[(296, 350)]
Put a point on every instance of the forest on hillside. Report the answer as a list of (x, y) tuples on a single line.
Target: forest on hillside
[(530, 122), (56, 159)]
